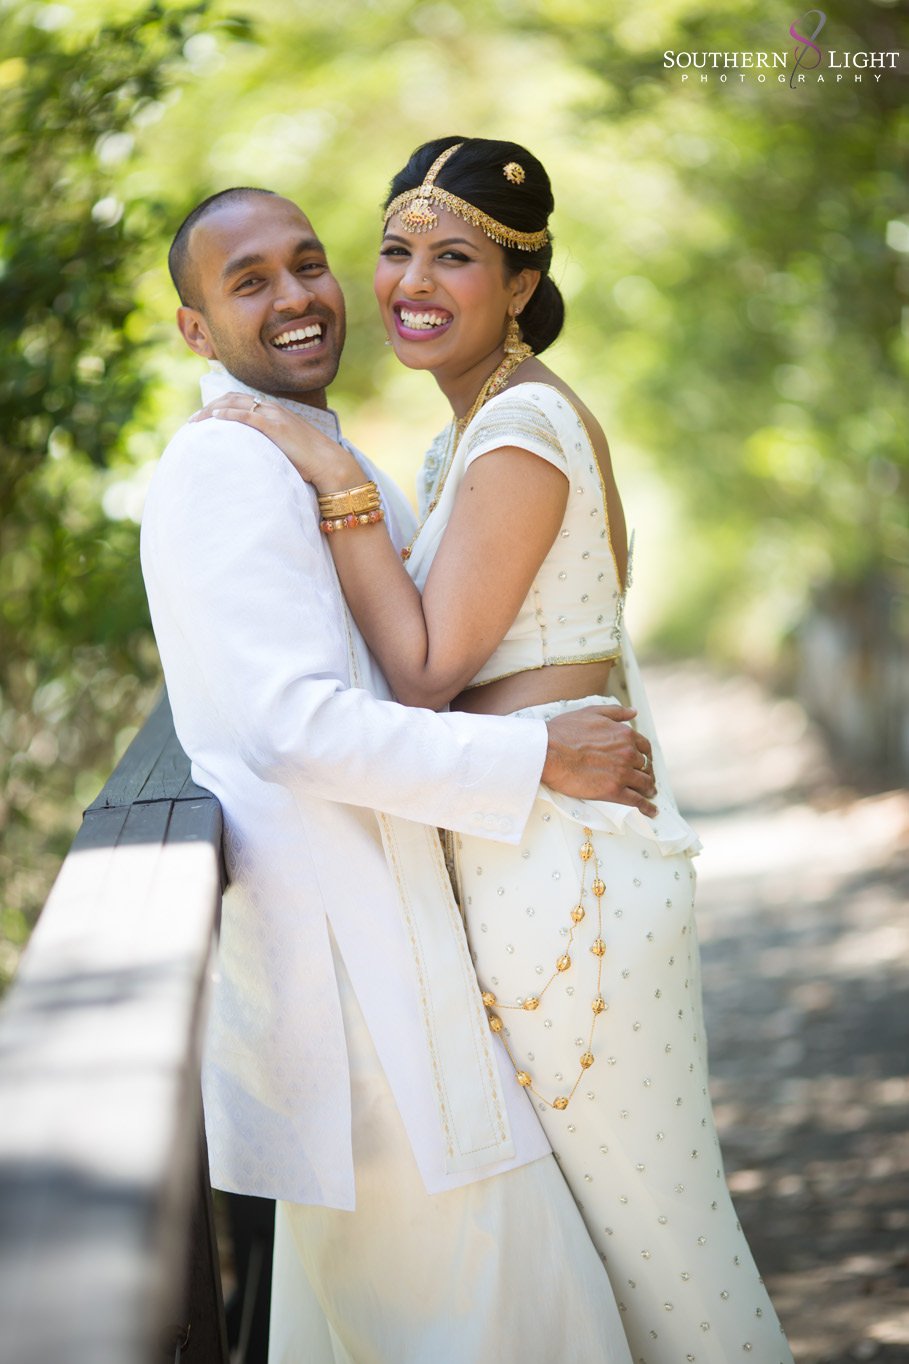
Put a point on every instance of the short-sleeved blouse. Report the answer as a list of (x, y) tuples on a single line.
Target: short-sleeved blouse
[(573, 611)]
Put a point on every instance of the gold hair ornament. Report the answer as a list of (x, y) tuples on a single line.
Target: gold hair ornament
[(514, 173), (415, 209)]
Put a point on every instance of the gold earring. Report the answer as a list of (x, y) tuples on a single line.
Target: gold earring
[(513, 340)]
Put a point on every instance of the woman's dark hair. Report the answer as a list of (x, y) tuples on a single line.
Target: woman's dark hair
[(476, 173)]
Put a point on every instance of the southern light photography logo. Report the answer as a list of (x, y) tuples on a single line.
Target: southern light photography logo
[(807, 62)]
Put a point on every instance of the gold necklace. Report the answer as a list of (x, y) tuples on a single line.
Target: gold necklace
[(493, 385), (530, 1003)]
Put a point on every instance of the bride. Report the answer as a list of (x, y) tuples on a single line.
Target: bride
[(510, 599)]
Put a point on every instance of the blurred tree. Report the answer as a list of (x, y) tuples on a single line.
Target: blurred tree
[(68, 254), (74, 644), (756, 309)]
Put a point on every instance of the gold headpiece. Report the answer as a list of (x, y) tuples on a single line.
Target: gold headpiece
[(415, 208), (513, 172)]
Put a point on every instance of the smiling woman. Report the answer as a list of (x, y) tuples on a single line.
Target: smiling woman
[(443, 295), (257, 292)]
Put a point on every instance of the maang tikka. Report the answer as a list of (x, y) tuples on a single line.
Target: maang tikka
[(417, 214)]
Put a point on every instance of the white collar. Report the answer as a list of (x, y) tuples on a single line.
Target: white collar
[(219, 380)]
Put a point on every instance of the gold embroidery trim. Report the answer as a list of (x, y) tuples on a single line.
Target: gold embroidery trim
[(488, 1059), (501, 426), (416, 954), (550, 663)]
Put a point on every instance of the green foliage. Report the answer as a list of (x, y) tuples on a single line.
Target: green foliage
[(67, 254), (75, 653), (754, 306), (735, 258)]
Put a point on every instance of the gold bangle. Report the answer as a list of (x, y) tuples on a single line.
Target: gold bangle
[(350, 522), (350, 501)]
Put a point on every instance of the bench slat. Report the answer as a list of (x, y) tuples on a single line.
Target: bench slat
[(99, 1059), (154, 767)]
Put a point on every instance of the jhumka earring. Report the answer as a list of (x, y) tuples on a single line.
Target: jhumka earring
[(513, 342)]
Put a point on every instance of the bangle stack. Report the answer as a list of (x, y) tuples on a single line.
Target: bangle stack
[(349, 508)]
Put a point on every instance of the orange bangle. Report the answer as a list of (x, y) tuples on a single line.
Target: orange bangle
[(350, 522)]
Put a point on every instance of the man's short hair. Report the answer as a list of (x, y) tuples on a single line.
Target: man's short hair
[(178, 257)]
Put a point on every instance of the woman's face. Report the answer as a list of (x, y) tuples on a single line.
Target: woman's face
[(445, 295)]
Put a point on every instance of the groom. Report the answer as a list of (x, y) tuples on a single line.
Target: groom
[(348, 1071)]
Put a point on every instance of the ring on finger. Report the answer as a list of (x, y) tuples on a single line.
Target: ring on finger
[(645, 766), (256, 402)]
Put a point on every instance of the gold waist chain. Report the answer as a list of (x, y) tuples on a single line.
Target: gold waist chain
[(530, 1003)]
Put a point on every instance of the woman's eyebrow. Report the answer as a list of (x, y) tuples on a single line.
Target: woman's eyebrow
[(446, 241)]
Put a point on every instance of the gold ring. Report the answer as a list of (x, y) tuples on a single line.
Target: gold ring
[(646, 763)]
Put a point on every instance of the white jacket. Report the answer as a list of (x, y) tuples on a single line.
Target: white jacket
[(251, 628)]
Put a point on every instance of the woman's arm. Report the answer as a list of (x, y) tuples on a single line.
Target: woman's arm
[(505, 518), (506, 515)]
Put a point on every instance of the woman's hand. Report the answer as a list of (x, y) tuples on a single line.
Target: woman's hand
[(316, 458)]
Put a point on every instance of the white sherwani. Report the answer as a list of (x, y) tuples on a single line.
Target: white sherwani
[(252, 632)]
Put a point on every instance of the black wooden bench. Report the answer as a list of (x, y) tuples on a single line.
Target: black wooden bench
[(107, 1246)]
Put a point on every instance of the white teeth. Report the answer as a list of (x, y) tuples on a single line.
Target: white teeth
[(422, 321), (313, 332)]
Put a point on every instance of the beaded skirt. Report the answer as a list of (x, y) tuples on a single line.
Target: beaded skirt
[(585, 946)]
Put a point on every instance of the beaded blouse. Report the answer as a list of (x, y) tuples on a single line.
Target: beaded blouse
[(573, 611)]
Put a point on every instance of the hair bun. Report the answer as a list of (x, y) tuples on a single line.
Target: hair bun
[(544, 316)]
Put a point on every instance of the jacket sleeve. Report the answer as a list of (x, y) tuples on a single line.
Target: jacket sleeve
[(241, 584)]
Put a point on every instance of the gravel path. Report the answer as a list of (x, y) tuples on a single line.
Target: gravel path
[(805, 936)]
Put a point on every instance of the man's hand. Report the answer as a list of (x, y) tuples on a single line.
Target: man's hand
[(594, 753)]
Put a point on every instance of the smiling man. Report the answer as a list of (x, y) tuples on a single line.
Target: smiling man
[(218, 262), (348, 1068)]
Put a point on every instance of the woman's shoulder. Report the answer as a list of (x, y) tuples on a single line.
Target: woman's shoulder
[(551, 393), (521, 416), (555, 403)]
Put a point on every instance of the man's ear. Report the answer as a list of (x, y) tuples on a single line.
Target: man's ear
[(195, 333)]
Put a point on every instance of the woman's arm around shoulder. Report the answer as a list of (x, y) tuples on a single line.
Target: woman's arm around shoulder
[(505, 516)]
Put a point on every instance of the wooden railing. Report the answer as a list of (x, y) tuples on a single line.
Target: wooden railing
[(107, 1248)]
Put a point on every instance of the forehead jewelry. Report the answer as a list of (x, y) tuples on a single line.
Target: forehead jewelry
[(417, 214)]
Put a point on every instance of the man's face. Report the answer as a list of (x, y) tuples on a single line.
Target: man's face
[(266, 304)]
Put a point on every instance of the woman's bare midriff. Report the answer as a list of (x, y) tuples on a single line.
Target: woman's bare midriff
[(558, 682)]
